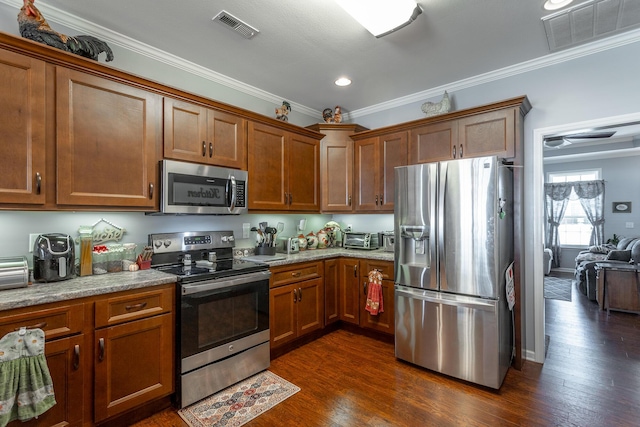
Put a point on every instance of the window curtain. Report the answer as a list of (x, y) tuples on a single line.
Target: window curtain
[(556, 200), (591, 194)]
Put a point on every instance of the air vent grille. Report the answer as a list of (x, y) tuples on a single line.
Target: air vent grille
[(237, 25), (589, 21)]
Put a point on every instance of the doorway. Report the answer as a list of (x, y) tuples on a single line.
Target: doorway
[(536, 218)]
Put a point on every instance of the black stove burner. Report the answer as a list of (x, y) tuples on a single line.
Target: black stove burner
[(219, 269)]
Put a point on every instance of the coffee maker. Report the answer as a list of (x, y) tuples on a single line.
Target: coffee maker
[(53, 257)]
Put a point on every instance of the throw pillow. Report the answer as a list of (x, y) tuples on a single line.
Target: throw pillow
[(599, 249), (619, 256)]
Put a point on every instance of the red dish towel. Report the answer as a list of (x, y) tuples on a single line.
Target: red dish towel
[(375, 304)]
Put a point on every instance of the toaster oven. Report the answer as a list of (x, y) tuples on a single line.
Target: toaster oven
[(360, 240)]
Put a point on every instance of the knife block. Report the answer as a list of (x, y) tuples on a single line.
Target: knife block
[(265, 250)]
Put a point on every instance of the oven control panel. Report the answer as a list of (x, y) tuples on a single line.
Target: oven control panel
[(191, 240)]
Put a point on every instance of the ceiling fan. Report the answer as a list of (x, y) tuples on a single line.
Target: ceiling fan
[(564, 140)]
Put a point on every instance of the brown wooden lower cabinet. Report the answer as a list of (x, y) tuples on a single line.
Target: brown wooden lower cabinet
[(331, 291), (130, 364), (353, 294), (296, 306)]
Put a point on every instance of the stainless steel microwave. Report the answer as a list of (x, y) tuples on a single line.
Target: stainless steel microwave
[(360, 240), (191, 188)]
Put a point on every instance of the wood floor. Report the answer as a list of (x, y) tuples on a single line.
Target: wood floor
[(591, 377)]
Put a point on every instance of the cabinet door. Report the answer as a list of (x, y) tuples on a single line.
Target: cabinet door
[(133, 364), (310, 306), (185, 131), (349, 290), (227, 140), (283, 322), (304, 173), (488, 134), (367, 174), (268, 160), (336, 172), (107, 142), (432, 143), (393, 153), (331, 291), (385, 321), (22, 129), (66, 358)]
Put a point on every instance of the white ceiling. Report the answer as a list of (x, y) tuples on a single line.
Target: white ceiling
[(304, 45)]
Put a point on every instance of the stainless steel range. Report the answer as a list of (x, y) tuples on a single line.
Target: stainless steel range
[(222, 311)]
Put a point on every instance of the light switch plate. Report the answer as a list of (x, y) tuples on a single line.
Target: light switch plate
[(629, 225)]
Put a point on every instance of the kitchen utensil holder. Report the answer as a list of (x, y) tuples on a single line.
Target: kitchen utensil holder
[(265, 250), (144, 265)]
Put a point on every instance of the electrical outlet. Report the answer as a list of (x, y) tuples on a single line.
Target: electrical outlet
[(246, 229), (629, 225), (32, 240)]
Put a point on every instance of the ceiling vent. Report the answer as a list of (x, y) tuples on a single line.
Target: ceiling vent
[(237, 25), (589, 21)]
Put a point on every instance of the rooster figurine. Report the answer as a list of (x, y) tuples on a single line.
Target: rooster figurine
[(435, 108), (33, 26)]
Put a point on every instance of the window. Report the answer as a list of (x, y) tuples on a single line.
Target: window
[(575, 229)]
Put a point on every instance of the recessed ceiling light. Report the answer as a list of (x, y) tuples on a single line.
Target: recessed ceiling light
[(343, 81), (556, 4)]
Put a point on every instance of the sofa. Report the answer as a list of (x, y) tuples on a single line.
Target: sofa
[(585, 271)]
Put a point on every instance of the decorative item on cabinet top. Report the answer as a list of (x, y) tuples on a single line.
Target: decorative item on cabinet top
[(33, 26), (283, 111), (436, 108), (332, 116)]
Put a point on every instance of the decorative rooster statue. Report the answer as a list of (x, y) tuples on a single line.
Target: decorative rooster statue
[(435, 108), (33, 26)]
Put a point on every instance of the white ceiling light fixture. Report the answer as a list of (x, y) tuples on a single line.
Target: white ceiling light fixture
[(556, 4), (343, 81), (382, 17)]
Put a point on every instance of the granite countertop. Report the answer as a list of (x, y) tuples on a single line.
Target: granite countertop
[(86, 286), (42, 293), (320, 254)]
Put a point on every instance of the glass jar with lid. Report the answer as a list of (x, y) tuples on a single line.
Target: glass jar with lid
[(114, 258), (128, 255)]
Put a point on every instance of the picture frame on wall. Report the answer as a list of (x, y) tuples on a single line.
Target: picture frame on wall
[(621, 207)]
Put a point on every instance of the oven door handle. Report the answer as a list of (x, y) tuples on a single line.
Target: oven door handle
[(209, 285)]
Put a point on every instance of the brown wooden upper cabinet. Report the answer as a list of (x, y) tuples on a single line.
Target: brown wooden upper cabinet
[(375, 160), (491, 133), (283, 170), (199, 134), (108, 141), (22, 129), (336, 166)]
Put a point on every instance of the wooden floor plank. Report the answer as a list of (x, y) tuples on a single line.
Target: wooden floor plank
[(591, 377)]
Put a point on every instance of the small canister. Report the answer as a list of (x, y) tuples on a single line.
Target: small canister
[(128, 256)]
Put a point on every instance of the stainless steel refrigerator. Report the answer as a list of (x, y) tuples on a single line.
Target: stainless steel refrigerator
[(454, 244)]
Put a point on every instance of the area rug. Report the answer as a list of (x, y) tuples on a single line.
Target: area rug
[(239, 403), (557, 288)]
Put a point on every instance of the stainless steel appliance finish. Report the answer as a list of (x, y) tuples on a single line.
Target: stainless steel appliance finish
[(455, 228), (288, 245), (360, 240), (387, 240), (191, 188), (14, 272), (222, 311)]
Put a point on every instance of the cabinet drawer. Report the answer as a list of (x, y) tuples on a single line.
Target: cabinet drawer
[(295, 273), (133, 305), (56, 322)]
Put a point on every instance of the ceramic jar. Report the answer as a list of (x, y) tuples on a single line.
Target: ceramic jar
[(323, 239), (302, 242), (312, 241)]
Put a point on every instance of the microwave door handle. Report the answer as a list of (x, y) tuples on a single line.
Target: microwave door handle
[(231, 193)]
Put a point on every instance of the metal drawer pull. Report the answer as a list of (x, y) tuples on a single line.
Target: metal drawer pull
[(204, 148), (136, 306), (296, 274), (364, 287), (211, 149), (454, 151), (295, 295), (460, 150), (151, 190), (36, 326), (76, 357), (349, 200), (38, 183), (101, 352), (381, 202), (376, 200), (300, 294)]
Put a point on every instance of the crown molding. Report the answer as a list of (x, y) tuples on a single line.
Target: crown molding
[(87, 27)]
